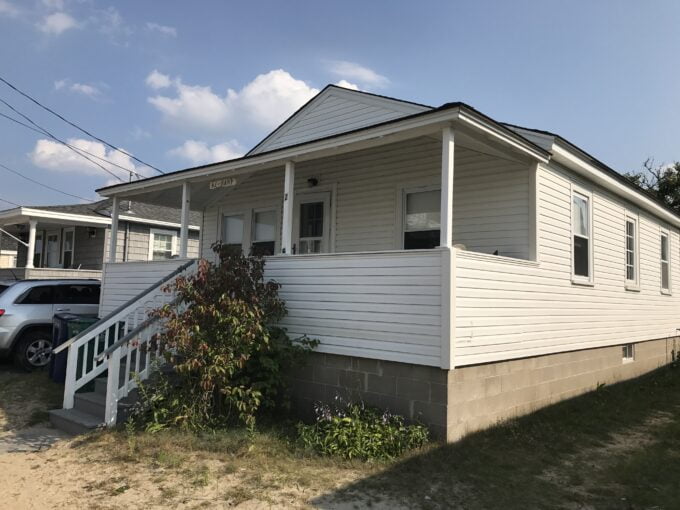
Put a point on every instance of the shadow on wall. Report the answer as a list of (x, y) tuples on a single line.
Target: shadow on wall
[(602, 449)]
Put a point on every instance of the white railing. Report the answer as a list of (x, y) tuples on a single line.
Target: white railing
[(130, 330)]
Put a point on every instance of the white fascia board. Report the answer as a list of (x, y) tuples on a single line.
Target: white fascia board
[(144, 221), (582, 167), (26, 213), (311, 150)]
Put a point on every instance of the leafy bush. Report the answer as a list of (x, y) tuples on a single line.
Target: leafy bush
[(229, 362), (353, 430)]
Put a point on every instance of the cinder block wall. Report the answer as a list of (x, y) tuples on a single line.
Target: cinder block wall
[(455, 403)]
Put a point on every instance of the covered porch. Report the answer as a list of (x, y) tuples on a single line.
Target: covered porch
[(362, 229)]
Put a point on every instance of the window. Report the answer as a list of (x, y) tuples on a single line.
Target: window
[(42, 295), (78, 294), (582, 238), (264, 232), (311, 227), (631, 252), (628, 352), (421, 219), (232, 232), (665, 264), (67, 250), (37, 254), (162, 245)]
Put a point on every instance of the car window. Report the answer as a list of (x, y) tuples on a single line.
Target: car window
[(42, 295), (78, 294), (3, 288)]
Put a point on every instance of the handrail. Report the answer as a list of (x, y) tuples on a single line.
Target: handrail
[(126, 338), (122, 307)]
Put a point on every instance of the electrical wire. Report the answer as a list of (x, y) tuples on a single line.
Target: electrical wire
[(9, 202), (44, 185), (27, 96)]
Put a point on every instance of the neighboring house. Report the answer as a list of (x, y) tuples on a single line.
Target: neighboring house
[(455, 269), (8, 251), (70, 241)]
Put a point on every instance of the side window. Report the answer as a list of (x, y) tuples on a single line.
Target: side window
[(43, 295), (421, 219), (264, 232), (78, 294), (632, 262), (232, 231), (665, 263), (581, 228), (162, 244)]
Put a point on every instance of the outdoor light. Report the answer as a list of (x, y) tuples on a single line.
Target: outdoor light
[(92, 232), (312, 181)]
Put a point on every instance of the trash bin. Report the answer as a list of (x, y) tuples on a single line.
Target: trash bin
[(64, 327)]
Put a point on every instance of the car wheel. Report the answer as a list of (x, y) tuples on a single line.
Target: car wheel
[(34, 350)]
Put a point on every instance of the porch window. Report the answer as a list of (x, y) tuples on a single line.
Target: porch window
[(631, 251), (582, 239), (232, 232), (665, 264), (264, 232), (67, 252), (311, 227), (37, 254), (422, 219), (163, 244)]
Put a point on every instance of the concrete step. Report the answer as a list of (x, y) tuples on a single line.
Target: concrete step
[(91, 403), (73, 421)]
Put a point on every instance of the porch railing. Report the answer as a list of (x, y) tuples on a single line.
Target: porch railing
[(130, 321)]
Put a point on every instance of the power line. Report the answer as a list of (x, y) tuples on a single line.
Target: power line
[(59, 140), (9, 202), (8, 117), (43, 185), (27, 96)]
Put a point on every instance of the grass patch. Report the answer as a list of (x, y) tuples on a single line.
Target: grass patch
[(616, 447), (26, 397)]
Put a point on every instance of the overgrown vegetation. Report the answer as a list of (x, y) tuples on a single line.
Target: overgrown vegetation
[(229, 361), (662, 181), (355, 431)]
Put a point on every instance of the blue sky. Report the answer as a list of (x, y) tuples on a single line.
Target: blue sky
[(180, 83)]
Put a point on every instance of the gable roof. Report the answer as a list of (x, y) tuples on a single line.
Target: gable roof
[(336, 110)]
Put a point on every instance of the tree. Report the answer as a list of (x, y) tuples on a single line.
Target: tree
[(662, 181)]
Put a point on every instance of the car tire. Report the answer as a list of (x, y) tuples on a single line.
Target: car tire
[(34, 350)]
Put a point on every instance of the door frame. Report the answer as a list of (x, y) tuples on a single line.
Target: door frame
[(312, 195), (49, 233)]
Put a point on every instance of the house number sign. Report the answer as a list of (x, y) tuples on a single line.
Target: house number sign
[(223, 183)]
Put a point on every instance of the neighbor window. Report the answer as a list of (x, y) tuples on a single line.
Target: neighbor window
[(163, 243), (422, 219), (582, 237), (629, 352), (631, 251), (264, 232), (665, 263), (37, 254), (67, 249), (232, 232)]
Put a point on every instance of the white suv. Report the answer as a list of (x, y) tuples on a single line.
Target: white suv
[(27, 308)]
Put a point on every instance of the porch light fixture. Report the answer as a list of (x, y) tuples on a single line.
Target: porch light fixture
[(92, 232), (313, 181)]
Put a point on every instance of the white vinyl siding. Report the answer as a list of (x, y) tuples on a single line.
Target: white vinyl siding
[(491, 197), (510, 309)]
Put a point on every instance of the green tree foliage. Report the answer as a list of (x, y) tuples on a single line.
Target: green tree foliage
[(662, 181)]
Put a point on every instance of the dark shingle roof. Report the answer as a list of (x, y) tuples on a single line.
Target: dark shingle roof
[(7, 243)]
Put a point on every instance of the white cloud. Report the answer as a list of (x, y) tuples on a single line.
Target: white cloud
[(163, 29), (138, 133), (353, 71), (7, 8), (262, 104), (347, 85), (59, 158), (85, 89), (200, 153), (157, 80), (60, 84), (57, 23)]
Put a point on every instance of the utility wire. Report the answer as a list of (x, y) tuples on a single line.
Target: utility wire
[(9, 202), (43, 185), (17, 121), (59, 140), (77, 126)]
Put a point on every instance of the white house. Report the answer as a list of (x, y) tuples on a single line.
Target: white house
[(455, 269)]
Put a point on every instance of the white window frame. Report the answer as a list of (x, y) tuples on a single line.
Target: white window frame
[(579, 279), (155, 231), (628, 357), (401, 209), (248, 219), (39, 236), (63, 244), (665, 232), (276, 209), (246, 214), (632, 285)]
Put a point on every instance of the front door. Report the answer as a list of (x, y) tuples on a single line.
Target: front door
[(311, 225), (53, 249)]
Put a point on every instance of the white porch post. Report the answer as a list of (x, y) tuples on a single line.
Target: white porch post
[(288, 201), (113, 244), (32, 225), (184, 229), (446, 229)]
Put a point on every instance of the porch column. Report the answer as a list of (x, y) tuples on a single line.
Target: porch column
[(288, 200), (184, 229), (113, 244), (32, 224), (446, 229)]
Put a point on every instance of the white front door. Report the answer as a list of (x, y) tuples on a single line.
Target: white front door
[(53, 249), (311, 224)]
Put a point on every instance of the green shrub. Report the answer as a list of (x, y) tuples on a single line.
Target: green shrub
[(353, 430), (229, 362)]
